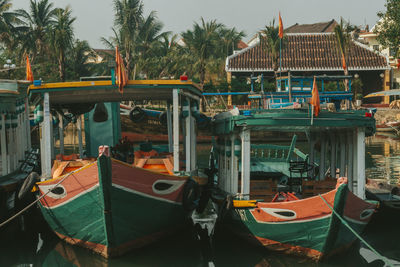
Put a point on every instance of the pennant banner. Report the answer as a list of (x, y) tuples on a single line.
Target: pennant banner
[(280, 26), (120, 72), (315, 98), (29, 75)]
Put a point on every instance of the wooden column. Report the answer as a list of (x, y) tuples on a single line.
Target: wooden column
[(80, 142), (245, 183), (229, 81), (349, 151), (360, 163), (386, 86), (169, 128), (61, 132), (342, 138), (175, 108), (312, 151), (188, 132), (3, 142), (46, 138), (333, 155), (27, 125), (322, 157), (234, 168)]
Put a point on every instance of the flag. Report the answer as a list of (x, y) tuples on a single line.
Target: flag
[(343, 62), (280, 26), (29, 75), (120, 72), (315, 98)]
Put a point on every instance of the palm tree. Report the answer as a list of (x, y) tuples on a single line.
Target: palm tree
[(202, 42), (37, 22), (78, 60), (270, 41), (128, 15), (8, 21), (342, 34), (62, 36)]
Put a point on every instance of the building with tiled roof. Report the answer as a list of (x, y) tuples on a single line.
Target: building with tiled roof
[(310, 54), (319, 27)]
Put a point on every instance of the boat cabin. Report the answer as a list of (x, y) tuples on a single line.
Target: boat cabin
[(262, 152), (96, 104)]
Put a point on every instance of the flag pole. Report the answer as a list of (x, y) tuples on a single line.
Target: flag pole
[(280, 63)]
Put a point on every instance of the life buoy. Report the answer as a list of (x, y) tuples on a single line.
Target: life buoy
[(191, 195), (28, 184), (137, 114)]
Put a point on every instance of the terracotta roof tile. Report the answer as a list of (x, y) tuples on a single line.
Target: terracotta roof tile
[(308, 51)]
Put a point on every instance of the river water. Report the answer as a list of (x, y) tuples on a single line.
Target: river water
[(32, 249)]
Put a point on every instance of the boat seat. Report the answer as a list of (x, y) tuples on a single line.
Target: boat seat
[(162, 163)]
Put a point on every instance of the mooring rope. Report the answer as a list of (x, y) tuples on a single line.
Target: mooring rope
[(384, 259), (34, 202)]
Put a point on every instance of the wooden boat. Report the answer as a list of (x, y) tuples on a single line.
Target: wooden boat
[(303, 216), (17, 159), (392, 126), (389, 199), (102, 203)]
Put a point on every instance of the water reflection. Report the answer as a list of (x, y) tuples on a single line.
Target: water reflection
[(383, 158)]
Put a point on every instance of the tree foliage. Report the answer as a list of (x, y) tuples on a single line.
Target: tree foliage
[(388, 28)]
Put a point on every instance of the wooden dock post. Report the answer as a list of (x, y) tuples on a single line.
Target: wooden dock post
[(245, 183), (3, 142), (175, 111), (61, 132), (80, 142), (169, 128)]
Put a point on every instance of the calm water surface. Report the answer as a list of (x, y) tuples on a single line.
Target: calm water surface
[(33, 249)]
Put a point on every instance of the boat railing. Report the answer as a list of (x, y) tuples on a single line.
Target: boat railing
[(271, 152)]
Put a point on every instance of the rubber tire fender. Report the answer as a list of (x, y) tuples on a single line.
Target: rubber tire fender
[(28, 184), (191, 195), (137, 114)]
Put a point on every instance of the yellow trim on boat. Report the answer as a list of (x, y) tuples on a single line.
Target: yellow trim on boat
[(244, 203), (60, 177), (106, 83)]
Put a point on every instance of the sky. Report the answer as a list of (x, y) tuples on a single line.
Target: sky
[(94, 18)]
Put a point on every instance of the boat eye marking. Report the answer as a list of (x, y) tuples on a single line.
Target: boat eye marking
[(281, 213), (57, 192), (165, 187)]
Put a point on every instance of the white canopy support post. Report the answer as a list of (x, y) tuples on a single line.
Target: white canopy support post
[(3, 142), (360, 163), (193, 142), (245, 183), (322, 157), (24, 137), (79, 123), (355, 159), (234, 171), (333, 155), (342, 137), (188, 132), (53, 138), (349, 151), (61, 132), (175, 111), (169, 127), (11, 149), (221, 165), (46, 138), (19, 142)]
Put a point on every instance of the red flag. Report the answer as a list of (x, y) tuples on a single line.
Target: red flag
[(315, 98), (280, 26), (29, 75), (398, 63), (120, 72), (343, 62)]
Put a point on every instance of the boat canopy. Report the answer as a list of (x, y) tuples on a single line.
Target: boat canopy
[(293, 120), (105, 91)]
